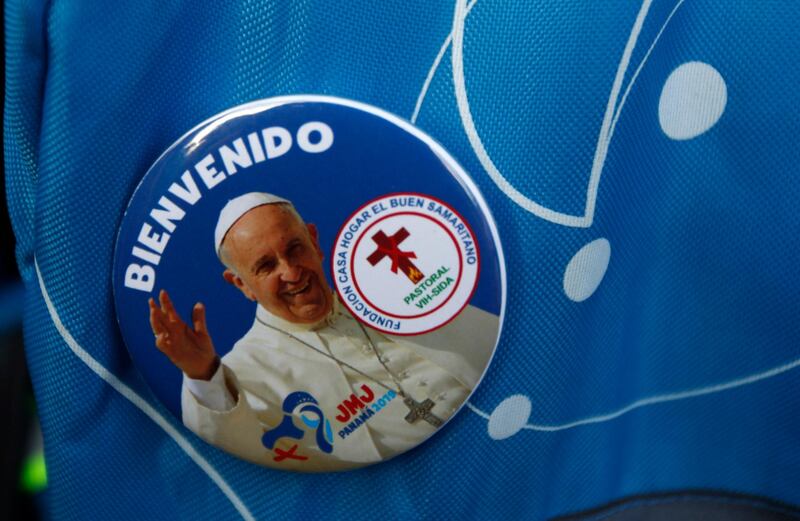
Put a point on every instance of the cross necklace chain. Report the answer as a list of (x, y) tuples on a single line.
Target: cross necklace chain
[(417, 410)]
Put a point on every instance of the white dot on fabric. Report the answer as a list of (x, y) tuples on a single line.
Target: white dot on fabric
[(586, 270), (692, 100), (509, 417)]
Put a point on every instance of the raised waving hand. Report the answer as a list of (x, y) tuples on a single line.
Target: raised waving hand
[(190, 349)]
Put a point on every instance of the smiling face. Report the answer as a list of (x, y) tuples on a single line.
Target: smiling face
[(275, 259)]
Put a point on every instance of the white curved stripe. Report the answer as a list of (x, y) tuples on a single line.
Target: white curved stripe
[(474, 138), (434, 67), (635, 75), (140, 402), (477, 411), (604, 139), (661, 398), (603, 142)]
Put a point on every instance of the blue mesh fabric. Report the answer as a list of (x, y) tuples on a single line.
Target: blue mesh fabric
[(677, 372)]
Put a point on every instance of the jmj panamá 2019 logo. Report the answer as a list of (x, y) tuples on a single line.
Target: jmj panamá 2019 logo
[(405, 264)]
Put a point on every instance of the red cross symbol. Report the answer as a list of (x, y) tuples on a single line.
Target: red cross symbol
[(389, 246), (281, 455)]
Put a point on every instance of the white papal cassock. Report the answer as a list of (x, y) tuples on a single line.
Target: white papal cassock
[(245, 396)]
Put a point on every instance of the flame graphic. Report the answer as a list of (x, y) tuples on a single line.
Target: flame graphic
[(414, 275)]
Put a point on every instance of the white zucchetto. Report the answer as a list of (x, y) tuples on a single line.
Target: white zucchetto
[(236, 208)]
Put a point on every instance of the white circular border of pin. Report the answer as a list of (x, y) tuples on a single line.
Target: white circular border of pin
[(202, 130)]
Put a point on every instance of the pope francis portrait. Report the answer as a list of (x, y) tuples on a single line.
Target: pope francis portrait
[(308, 387)]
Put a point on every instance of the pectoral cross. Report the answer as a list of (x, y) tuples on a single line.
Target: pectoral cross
[(421, 411)]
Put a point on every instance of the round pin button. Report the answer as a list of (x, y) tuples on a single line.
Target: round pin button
[(309, 283)]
